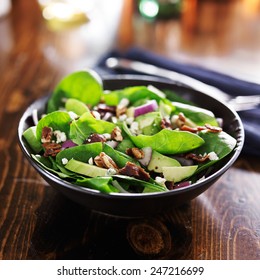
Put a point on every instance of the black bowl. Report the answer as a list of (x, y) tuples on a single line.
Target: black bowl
[(137, 205)]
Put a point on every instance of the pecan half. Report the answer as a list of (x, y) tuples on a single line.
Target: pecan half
[(46, 134), (212, 128), (133, 170), (116, 134), (51, 149), (95, 138), (165, 124), (105, 161), (198, 158), (189, 128), (135, 152)]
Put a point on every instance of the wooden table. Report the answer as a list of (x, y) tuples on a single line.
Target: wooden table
[(37, 222)]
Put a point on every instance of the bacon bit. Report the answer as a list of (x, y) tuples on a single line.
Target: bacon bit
[(103, 160), (165, 124), (46, 134), (116, 134), (212, 128), (51, 149), (131, 169), (95, 138), (198, 158), (135, 152)]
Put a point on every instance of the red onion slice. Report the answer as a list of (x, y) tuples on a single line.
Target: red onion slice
[(147, 156), (68, 144), (148, 107)]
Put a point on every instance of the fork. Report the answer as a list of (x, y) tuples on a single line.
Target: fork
[(238, 103)]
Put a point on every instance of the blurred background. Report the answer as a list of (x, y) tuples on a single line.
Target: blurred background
[(223, 35)]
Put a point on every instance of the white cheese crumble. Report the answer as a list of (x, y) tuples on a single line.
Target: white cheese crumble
[(129, 120), (213, 156), (122, 117), (111, 171), (114, 119), (60, 136), (134, 127), (64, 161), (73, 115), (124, 102), (91, 161), (96, 114), (160, 180), (107, 136)]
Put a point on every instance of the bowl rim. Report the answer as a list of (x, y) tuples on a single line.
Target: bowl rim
[(212, 177)]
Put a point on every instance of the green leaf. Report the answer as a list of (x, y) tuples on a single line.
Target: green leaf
[(81, 128), (220, 143), (76, 106), (45, 163), (56, 120), (82, 85), (102, 184), (150, 186), (133, 94), (198, 115), (167, 141), (82, 153)]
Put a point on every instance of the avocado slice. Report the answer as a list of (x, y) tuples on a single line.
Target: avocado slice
[(178, 173), (149, 123), (159, 160), (30, 136), (85, 169)]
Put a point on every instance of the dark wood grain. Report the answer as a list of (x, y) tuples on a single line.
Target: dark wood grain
[(37, 222)]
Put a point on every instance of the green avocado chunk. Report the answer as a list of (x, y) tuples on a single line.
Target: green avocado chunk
[(159, 160), (85, 169), (30, 136), (178, 173)]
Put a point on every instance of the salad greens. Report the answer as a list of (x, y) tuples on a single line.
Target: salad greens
[(136, 139)]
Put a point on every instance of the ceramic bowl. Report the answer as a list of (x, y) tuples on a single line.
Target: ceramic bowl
[(136, 205)]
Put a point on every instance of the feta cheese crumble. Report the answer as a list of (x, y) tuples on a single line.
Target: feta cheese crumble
[(213, 156), (60, 136), (64, 161)]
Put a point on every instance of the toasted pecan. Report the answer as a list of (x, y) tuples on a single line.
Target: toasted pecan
[(133, 170)]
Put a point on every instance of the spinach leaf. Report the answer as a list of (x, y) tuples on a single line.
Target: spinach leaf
[(57, 120), (198, 115), (133, 94), (150, 186), (81, 128), (102, 184), (82, 153), (220, 143), (76, 106), (48, 166), (167, 141), (82, 85)]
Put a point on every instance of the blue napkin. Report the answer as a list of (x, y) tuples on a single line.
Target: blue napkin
[(231, 85)]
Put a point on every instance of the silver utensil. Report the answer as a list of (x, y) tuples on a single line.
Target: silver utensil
[(239, 103)]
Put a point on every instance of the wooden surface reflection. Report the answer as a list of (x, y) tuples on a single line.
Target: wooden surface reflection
[(36, 222)]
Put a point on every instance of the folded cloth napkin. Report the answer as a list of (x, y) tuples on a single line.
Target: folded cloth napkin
[(230, 85)]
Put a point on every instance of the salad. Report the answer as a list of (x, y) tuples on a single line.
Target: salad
[(136, 139)]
